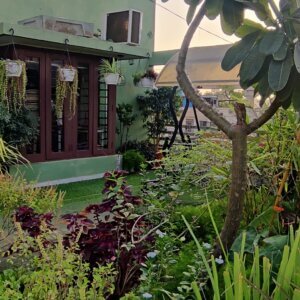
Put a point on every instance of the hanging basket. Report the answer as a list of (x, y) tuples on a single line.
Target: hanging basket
[(112, 78), (147, 82), (13, 68), (67, 74)]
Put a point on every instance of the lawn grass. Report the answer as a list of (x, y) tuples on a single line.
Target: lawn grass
[(80, 194)]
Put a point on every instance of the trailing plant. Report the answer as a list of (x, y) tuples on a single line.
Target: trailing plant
[(12, 89), (66, 90)]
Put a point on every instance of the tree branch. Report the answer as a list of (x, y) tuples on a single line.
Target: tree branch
[(265, 117), (186, 83)]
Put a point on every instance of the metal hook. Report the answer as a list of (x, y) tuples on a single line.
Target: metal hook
[(111, 48), (67, 41), (12, 31)]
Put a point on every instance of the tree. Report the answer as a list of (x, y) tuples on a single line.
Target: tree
[(155, 108), (126, 118), (269, 58)]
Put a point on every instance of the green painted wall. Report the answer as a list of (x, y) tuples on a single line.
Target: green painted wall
[(64, 169), (92, 11)]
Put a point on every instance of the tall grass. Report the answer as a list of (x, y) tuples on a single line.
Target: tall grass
[(260, 283)]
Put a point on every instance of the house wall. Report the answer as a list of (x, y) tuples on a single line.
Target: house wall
[(91, 11), (65, 171)]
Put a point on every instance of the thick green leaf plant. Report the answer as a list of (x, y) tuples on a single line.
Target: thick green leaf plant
[(268, 54)]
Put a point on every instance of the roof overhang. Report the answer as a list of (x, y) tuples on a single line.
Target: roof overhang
[(203, 66), (41, 38)]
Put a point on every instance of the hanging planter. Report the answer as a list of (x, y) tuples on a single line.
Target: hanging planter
[(111, 78), (66, 89), (14, 68), (67, 73), (110, 71), (13, 80), (146, 80)]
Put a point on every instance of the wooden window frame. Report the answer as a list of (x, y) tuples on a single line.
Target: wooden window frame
[(46, 56)]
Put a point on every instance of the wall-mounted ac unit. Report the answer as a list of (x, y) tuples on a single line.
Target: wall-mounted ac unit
[(124, 27)]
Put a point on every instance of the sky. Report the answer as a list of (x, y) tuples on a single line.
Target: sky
[(170, 29)]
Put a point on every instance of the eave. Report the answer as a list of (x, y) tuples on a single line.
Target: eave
[(39, 38)]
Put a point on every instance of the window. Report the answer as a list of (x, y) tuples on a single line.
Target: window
[(189, 125), (91, 131)]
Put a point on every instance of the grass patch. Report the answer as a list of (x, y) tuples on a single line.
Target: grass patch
[(80, 194)]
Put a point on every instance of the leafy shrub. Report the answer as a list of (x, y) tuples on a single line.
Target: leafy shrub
[(132, 160), (18, 128), (56, 273), (112, 232), (146, 148), (15, 193), (199, 219)]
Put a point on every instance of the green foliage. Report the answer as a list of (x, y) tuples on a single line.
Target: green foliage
[(107, 66), (132, 160), (170, 269), (18, 128), (56, 274), (9, 155), (260, 282), (126, 118), (263, 49), (146, 148), (12, 89), (16, 193), (199, 219), (155, 109)]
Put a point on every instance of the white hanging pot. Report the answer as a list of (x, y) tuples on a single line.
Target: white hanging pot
[(111, 78), (13, 68), (67, 74), (147, 82)]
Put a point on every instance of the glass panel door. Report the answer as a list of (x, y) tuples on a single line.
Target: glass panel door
[(35, 102), (57, 118), (83, 110)]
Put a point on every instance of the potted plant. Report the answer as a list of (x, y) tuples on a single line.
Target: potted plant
[(67, 73), (66, 87), (146, 79), (14, 68), (110, 71), (13, 80)]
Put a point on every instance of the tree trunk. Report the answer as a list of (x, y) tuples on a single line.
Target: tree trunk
[(237, 189)]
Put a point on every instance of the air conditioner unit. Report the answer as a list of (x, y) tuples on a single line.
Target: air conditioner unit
[(124, 27)]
